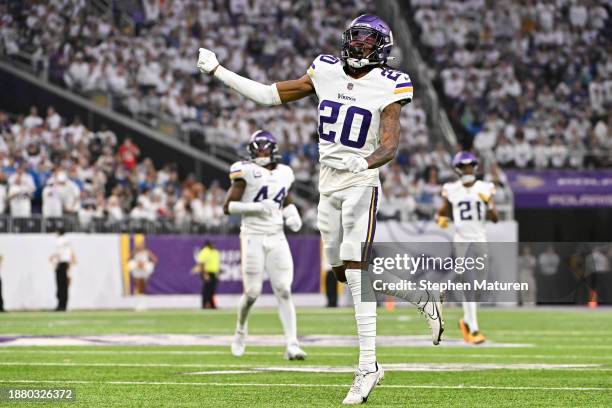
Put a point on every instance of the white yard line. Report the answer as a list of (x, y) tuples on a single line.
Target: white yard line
[(381, 352), (295, 385)]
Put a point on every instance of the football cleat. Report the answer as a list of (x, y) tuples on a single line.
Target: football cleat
[(239, 343), (294, 352), (363, 384), (476, 338), (465, 330), (432, 310)]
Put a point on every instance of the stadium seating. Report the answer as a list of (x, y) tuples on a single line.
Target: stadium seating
[(56, 175), (147, 70), (530, 83)]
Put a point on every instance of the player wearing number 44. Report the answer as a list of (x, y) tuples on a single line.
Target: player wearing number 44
[(260, 194), (472, 204), (360, 99)]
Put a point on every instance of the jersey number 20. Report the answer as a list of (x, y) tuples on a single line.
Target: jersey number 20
[(328, 113)]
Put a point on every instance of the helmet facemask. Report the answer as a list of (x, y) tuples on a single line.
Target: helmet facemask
[(363, 46), (262, 151)]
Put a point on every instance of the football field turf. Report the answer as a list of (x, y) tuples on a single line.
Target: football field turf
[(544, 357)]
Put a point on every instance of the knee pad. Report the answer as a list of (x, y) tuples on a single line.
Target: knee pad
[(350, 251), (251, 295), (282, 292), (332, 252)]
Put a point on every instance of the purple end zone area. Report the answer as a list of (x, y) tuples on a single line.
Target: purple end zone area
[(175, 254)]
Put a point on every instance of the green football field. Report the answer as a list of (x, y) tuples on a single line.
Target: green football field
[(550, 357)]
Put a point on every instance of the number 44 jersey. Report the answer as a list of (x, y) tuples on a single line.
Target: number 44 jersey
[(469, 209), (349, 117), (263, 184)]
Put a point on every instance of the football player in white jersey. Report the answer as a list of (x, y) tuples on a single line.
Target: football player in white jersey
[(359, 108), (260, 194), (472, 205)]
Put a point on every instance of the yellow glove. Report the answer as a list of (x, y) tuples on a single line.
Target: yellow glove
[(484, 197), (443, 221)]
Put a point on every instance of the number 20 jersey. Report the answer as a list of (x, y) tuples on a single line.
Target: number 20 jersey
[(262, 184), (349, 117), (469, 210)]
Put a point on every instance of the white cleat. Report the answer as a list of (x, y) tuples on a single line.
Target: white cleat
[(294, 352), (363, 384), (239, 343), (433, 313)]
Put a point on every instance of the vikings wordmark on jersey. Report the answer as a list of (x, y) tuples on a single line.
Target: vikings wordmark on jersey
[(262, 184), (349, 117)]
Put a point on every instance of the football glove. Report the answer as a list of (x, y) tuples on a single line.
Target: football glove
[(355, 164), (484, 197), (207, 61), (442, 221), (292, 218), (269, 206)]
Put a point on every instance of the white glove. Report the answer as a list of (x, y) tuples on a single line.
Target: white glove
[(207, 61), (292, 218), (269, 206), (355, 164)]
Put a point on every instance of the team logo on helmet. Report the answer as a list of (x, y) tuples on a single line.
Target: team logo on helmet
[(463, 159), (262, 142), (367, 41)]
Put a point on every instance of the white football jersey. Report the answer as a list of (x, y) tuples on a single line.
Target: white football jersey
[(262, 184), (469, 210), (349, 117)]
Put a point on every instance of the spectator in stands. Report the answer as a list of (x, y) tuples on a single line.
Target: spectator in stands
[(20, 191), (53, 120), (128, 154), (52, 201), (33, 120)]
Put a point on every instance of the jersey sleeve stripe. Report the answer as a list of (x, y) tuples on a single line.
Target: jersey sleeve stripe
[(402, 90), (236, 174), (404, 84)]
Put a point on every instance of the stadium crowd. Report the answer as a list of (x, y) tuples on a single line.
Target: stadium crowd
[(57, 169), (149, 69), (529, 81)]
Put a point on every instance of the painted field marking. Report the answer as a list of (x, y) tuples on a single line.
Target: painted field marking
[(222, 384), (161, 339), (254, 369)]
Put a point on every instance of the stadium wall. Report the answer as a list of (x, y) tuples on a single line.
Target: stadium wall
[(100, 279)]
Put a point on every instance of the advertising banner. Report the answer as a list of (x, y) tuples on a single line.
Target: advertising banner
[(561, 188)]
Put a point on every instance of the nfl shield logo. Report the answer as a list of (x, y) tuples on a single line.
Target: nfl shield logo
[(349, 86)]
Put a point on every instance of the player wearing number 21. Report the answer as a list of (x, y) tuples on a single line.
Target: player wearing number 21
[(360, 99), (472, 204)]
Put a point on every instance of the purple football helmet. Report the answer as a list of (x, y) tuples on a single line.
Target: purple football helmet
[(463, 158), (366, 30), (262, 141)]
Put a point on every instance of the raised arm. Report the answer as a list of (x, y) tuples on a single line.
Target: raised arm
[(263, 94)]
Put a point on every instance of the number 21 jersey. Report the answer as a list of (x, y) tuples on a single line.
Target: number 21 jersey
[(349, 117), (469, 210)]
